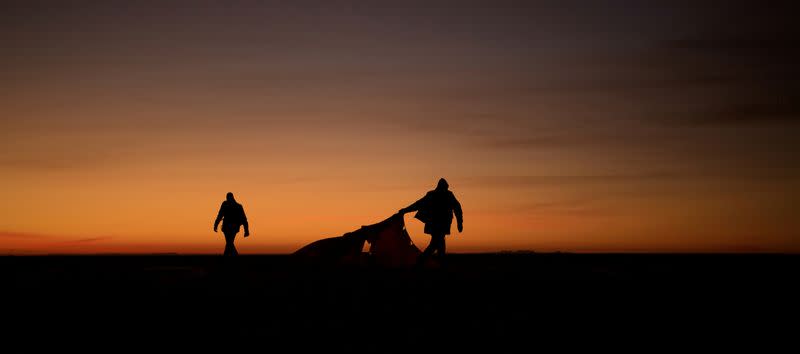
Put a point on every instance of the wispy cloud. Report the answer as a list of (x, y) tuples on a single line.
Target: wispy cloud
[(21, 235), (522, 181), (90, 239), (583, 207), (61, 153), (577, 139), (49, 238), (48, 162), (783, 111), (742, 43), (760, 68)]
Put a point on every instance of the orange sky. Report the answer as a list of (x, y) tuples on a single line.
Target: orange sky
[(558, 128)]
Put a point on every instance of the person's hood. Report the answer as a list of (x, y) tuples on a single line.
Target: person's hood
[(442, 185)]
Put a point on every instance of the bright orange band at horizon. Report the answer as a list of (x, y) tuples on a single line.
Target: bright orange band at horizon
[(559, 128)]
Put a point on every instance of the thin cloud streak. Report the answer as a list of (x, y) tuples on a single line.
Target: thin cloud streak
[(523, 181), (90, 240), (22, 235)]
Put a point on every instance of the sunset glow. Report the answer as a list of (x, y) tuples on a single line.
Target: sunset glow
[(559, 127)]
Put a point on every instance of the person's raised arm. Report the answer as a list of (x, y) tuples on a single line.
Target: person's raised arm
[(220, 215)]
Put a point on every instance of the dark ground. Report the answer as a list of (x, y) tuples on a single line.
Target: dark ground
[(486, 302)]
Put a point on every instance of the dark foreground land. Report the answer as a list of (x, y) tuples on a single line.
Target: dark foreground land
[(486, 302)]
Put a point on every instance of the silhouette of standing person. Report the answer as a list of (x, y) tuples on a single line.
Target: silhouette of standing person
[(232, 216), (436, 210)]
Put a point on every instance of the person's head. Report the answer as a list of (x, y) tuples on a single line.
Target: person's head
[(229, 197), (442, 186)]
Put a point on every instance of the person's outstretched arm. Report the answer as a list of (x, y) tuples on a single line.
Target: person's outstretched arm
[(459, 214), (220, 214), (413, 207)]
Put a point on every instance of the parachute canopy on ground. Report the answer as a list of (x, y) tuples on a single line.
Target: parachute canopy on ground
[(390, 245)]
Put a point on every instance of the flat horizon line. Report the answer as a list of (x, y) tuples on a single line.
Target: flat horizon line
[(521, 252)]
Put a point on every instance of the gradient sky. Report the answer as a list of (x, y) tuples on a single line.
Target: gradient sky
[(586, 126)]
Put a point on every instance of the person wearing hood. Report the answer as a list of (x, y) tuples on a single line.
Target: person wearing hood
[(436, 210), (233, 218)]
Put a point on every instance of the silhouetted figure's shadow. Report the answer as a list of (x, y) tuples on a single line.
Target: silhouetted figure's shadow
[(436, 210), (232, 216)]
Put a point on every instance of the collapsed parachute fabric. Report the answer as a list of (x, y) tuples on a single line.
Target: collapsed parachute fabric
[(390, 245)]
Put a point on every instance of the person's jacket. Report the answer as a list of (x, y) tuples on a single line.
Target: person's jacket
[(232, 216), (437, 207)]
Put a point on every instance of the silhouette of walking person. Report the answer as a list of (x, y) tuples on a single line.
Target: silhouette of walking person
[(233, 218), (436, 210)]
